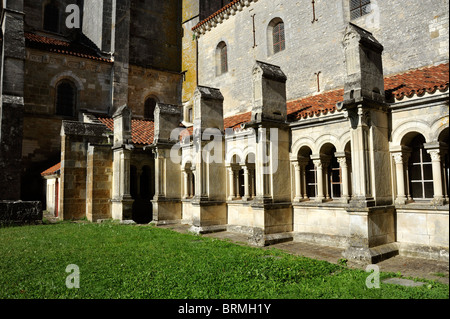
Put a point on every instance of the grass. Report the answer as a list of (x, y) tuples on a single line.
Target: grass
[(118, 261)]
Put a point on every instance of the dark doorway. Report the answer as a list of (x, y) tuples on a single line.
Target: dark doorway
[(142, 189)]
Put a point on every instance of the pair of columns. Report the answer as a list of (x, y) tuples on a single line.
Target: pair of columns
[(233, 181), (401, 159), (189, 188), (321, 166)]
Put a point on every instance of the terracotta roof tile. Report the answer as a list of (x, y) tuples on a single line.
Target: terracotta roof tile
[(142, 131), (235, 121), (52, 170), (418, 81), (61, 46), (215, 14)]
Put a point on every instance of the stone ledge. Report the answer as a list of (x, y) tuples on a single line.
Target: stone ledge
[(424, 251)]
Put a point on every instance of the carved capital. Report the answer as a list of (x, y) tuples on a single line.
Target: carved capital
[(398, 158), (435, 155)]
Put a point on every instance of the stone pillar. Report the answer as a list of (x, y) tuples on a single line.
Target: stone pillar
[(253, 183), (326, 164), (209, 203), (344, 173), (400, 177), (231, 184), (166, 202), (122, 202), (272, 165), (246, 184), (298, 185), (185, 184), (372, 215), (305, 186), (319, 174), (437, 177)]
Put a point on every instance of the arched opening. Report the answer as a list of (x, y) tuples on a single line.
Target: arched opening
[(306, 185), (149, 108), (331, 172), (66, 98), (51, 17), (189, 181), (443, 140)]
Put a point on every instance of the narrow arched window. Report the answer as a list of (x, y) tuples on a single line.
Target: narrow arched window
[(65, 98), (278, 37), (221, 58), (51, 17), (149, 108)]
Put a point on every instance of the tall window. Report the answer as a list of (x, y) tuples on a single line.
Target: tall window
[(278, 37), (51, 17), (420, 170), (311, 180), (221, 58), (65, 98), (359, 8), (149, 108), (335, 178)]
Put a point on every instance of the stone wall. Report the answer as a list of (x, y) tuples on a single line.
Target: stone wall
[(19, 213), (413, 35), (99, 182), (155, 34), (74, 163), (41, 126), (143, 83)]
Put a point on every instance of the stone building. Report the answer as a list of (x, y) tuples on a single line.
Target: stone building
[(283, 120)]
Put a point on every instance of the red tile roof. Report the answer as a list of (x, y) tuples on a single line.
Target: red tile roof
[(62, 46), (235, 121), (141, 130), (52, 170), (212, 16), (419, 81)]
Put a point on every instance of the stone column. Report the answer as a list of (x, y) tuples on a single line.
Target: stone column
[(298, 186), (191, 184), (319, 174), (344, 173), (399, 169), (231, 183), (185, 184), (246, 184), (326, 164), (236, 183), (406, 156), (437, 177), (305, 189), (253, 183)]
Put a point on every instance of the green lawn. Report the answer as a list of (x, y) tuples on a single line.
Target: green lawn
[(118, 261)]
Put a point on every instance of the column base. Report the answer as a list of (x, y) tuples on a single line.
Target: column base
[(371, 255), (122, 208)]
